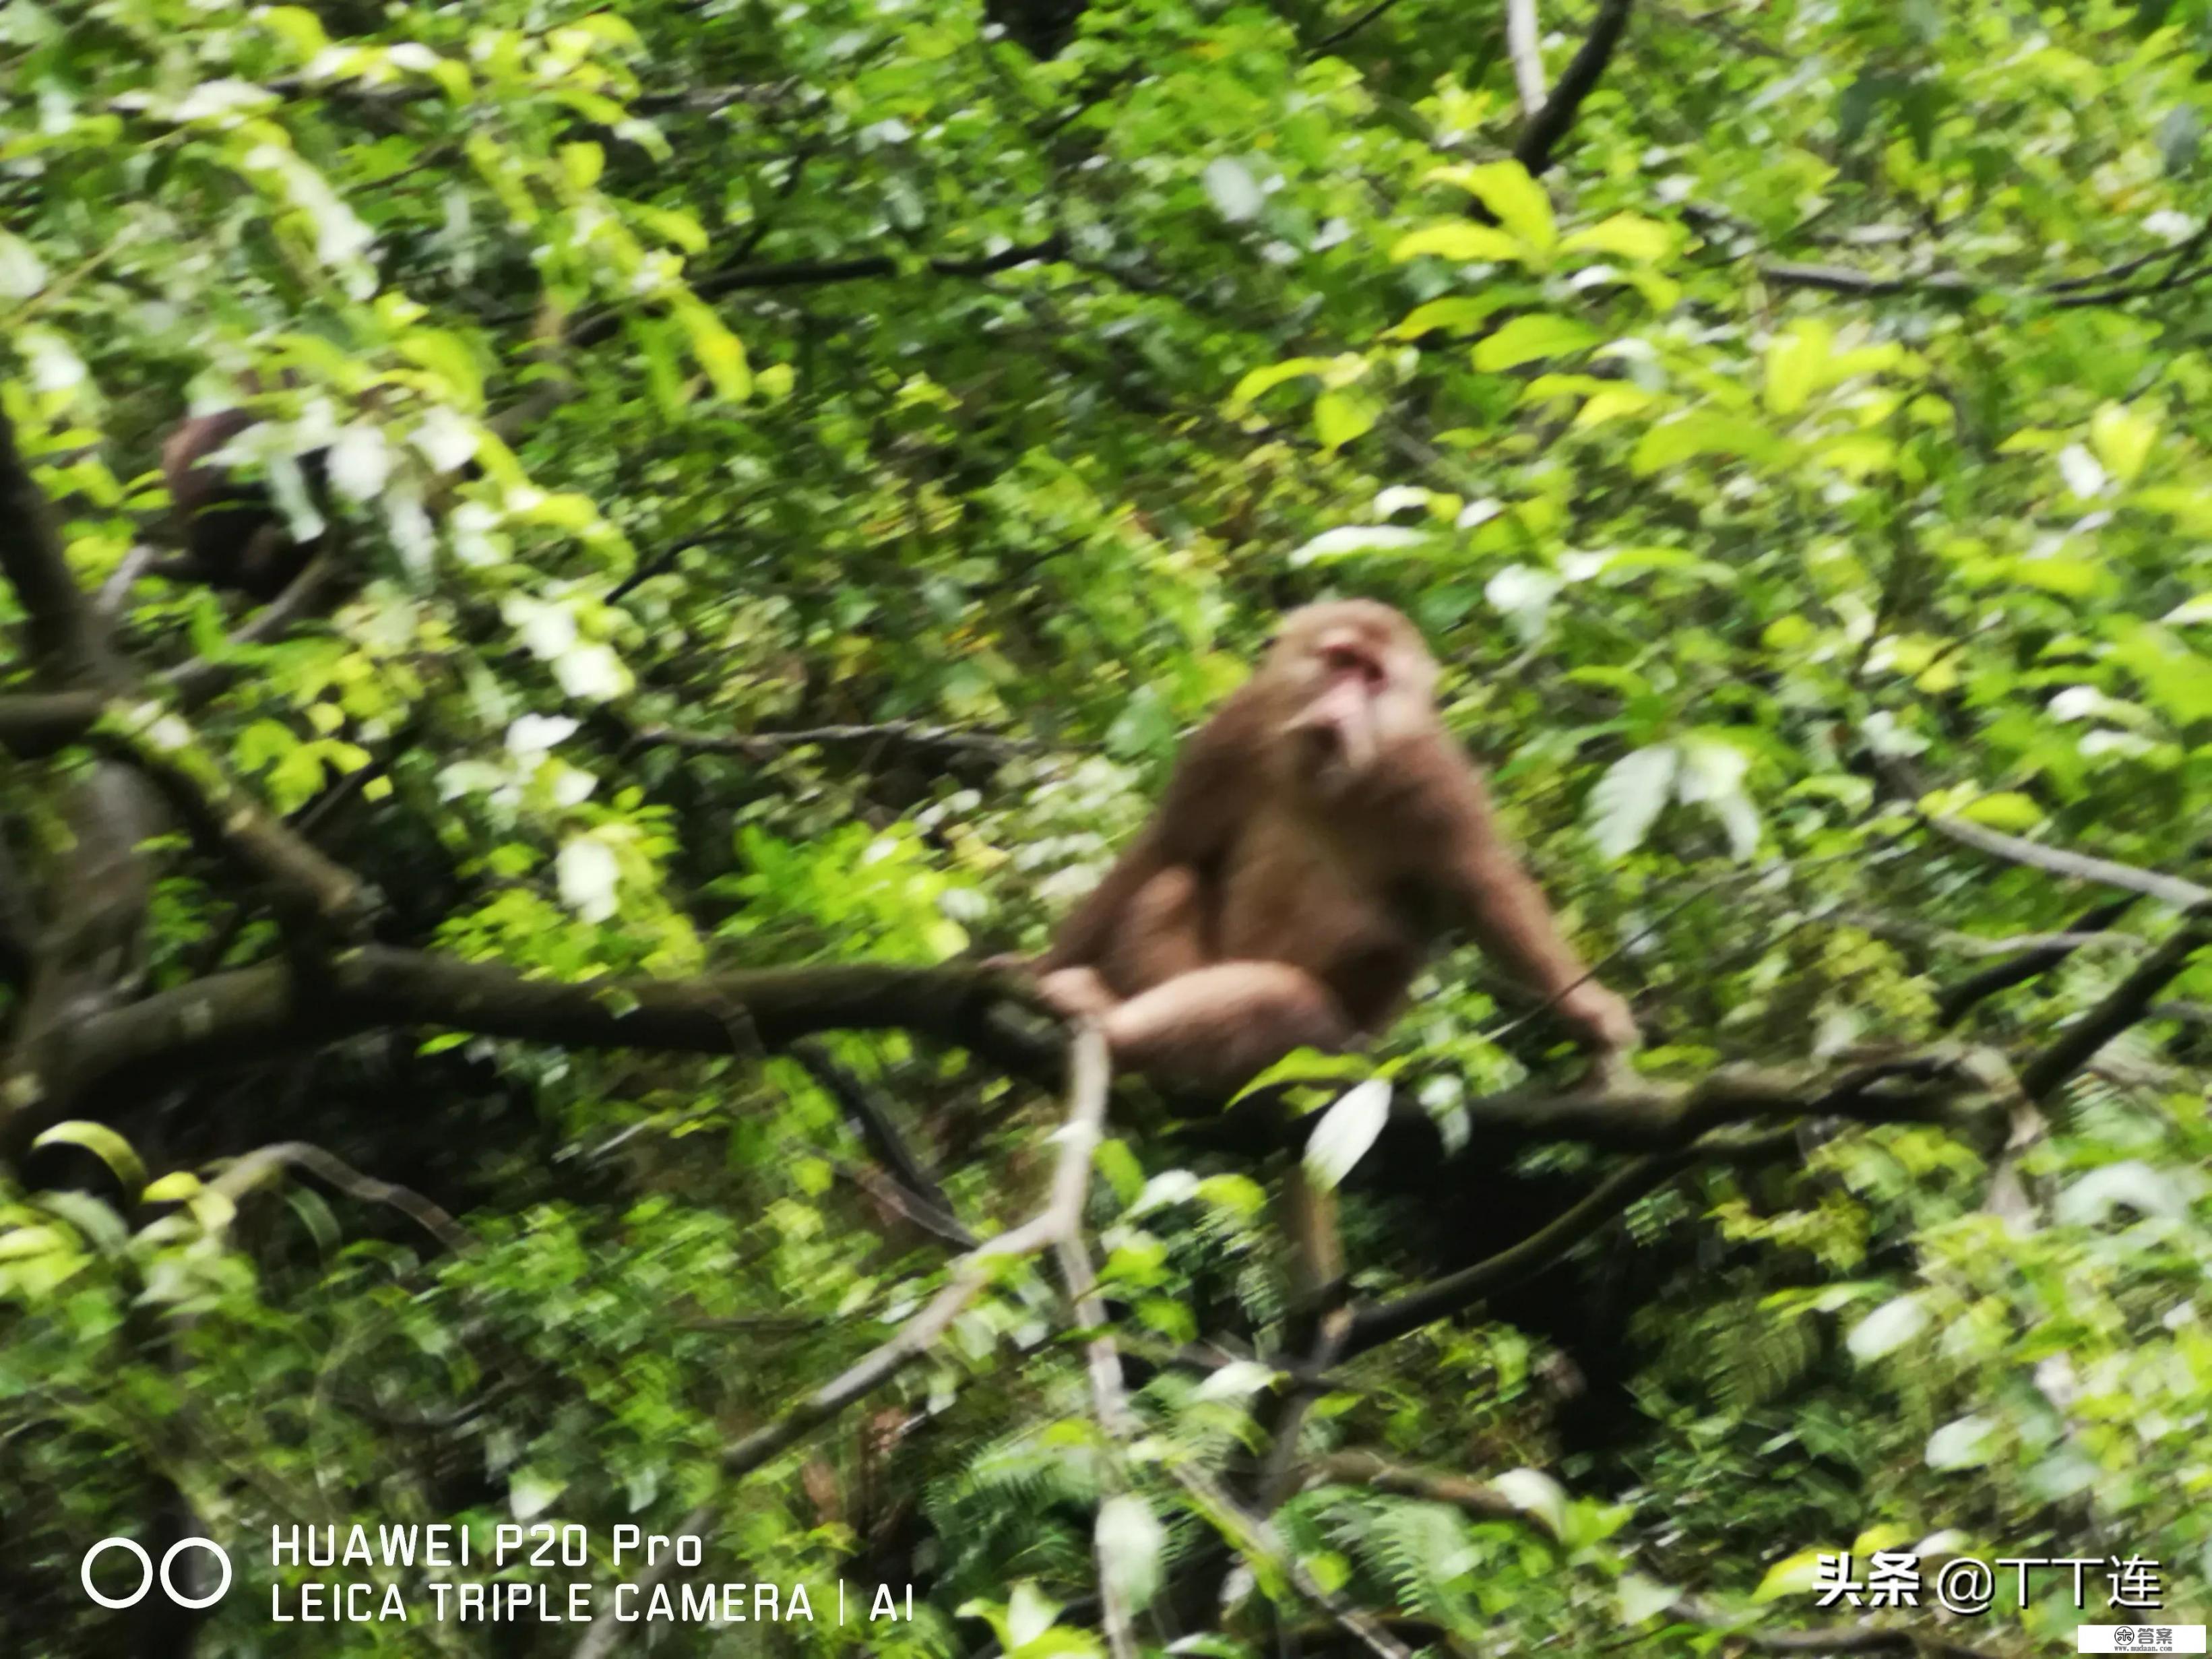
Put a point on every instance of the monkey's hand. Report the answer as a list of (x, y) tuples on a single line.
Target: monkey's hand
[(1078, 994), (1606, 1028)]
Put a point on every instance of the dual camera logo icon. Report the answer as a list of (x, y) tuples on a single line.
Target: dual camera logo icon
[(147, 1573)]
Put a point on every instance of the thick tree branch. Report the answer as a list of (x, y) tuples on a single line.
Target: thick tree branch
[(1540, 138), (2130, 1002), (68, 645), (19, 919), (225, 819), (36, 725), (93, 949), (1937, 1086), (250, 1014)]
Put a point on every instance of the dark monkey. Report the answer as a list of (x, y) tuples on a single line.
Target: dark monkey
[(1318, 833), (234, 536)]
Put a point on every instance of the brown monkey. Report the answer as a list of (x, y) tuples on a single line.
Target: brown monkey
[(234, 536), (1318, 833)]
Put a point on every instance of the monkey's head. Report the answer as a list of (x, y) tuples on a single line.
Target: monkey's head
[(1351, 679)]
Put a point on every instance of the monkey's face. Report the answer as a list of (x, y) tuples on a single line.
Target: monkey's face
[(1355, 678)]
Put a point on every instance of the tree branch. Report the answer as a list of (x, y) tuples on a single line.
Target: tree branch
[(37, 724), (224, 817), (1061, 1217), (69, 647), (1476, 1499), (1336, 38), (196, 681), (249, 1171), (1522, 47), (2130, 1001), (2080, 866), (761, 746), (1551, 123), (1841, 279), (250, 1014), (881, 1136), (1604, 1204), (1953, 1003), (814, 273)]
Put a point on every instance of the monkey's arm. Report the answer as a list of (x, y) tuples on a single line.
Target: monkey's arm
[(1502, 906), (1196, 820)]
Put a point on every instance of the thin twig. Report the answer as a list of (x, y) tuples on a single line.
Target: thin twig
[(248, 1171), (1109, 1399), (2082, 866), (203, 676), (1336, 38), (881, 1136), (2038, 959), (1079, 1140), (1254, 1535), (910, 733)]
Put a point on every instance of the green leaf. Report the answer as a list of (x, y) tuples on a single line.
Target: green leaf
[(1625, 235), (1794, 1575), (1702, 432), (1457, 239), (104, 1144), (1341, 417), (300, 28), (1514, 199), (2006, 809), (1795, 358), (1257, 383), (2122, 439), (1523, 339), (582, 163), (1453, 311)]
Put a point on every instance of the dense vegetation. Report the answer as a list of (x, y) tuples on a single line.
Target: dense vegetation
[(487, 1035)]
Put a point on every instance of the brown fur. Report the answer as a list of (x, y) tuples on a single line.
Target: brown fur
[(1318, 833)]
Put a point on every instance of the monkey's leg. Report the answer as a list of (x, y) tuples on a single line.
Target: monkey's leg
[(1219, 1025)]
